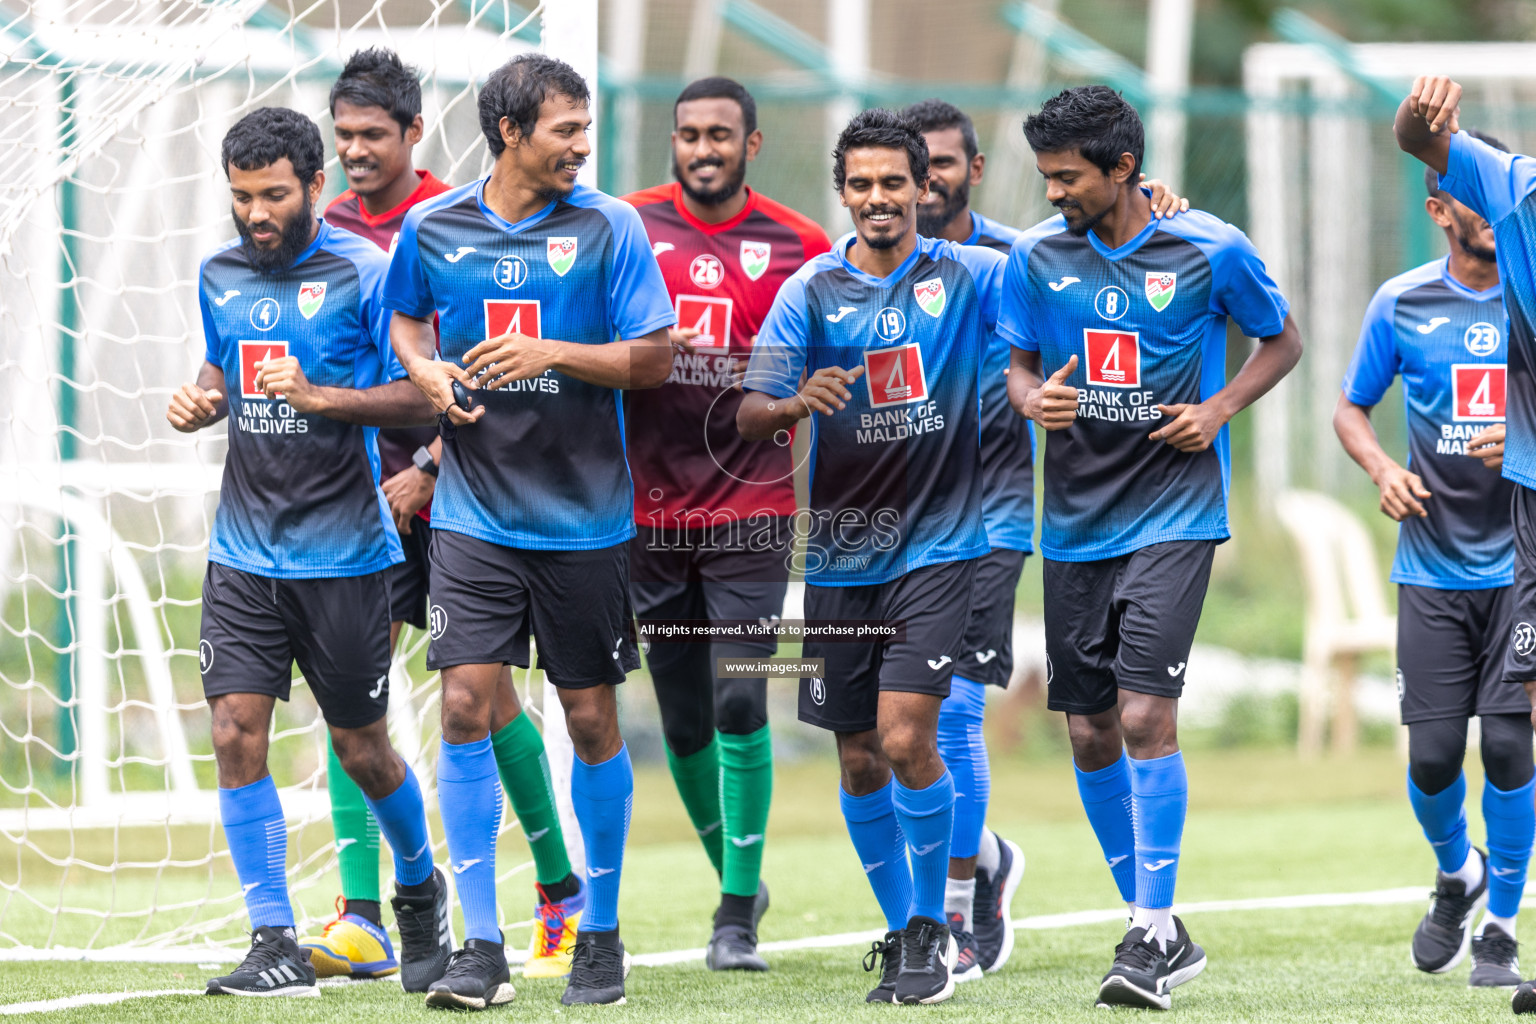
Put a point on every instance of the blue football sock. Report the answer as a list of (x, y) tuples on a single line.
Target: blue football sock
[(1444, 820), (927, 817), (469, 799), (1159, 798), (882, 849), (402, 817), (1106, 796), (964, 749), (258, 844), (1511, 819), (602, 796)]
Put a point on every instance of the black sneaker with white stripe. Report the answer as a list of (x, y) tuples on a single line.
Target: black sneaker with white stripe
[(1444, 936), (887, 953), (1185, 957), (426, 936), (276, 966), (991, 913), (1140, 974), (1495, 959), (928, 955), (477, 978)]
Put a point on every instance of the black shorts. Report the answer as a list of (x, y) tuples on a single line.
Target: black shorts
[(1450, 654), (719, 574), (487, 599), (987, 650), (933, 603), (1124, 623), (408, 580), (337, 629), (1520, 649)]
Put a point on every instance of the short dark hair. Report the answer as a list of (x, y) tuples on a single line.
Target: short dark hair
[(881, 129), (264, 136), (1432, 177), (519, 87), (718, 87), (1092, 119), (376, 77), (935, 115)]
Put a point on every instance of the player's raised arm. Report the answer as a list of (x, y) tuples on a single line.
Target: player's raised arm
[(1195, 425), (1426, 120), (195, 406), (642, 362), (395, 404), (1052, 402)]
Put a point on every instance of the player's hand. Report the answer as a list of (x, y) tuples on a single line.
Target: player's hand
[(1402, 493), (282, 377), (1053, 404), (1488, 445), (497, 362), (738, 372), (827, 390), (1194, 426), (408, 492), (1436, 98), (192, 408), (1164, 202), (682, 339), (434, 378)]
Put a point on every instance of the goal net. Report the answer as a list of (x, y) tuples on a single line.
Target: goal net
[(111, 115)]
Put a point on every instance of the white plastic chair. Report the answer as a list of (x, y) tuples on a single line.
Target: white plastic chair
[(1346, 613)]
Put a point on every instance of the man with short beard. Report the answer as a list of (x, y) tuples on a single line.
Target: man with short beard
[(298, 356), (1441, 326), (712, 510)]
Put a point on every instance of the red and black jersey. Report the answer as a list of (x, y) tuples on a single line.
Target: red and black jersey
[(396, 444), (685, 453)]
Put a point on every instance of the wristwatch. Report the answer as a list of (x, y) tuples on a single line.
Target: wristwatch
[(423, 461)]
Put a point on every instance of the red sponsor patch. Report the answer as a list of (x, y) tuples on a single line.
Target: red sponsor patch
[(512, 316), (710, 316), (895, 375), (252, 355), (1113, 358), (1478, 390)]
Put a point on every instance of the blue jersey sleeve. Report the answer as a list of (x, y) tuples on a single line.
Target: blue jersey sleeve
[(779, 356), (1375, 362), (1242, 289), (637, 292), (1013, 321), (987, 267), (405, 286), (375, 317), (1489, 181), (210, 336)]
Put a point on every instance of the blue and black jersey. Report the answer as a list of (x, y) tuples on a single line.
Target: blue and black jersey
[(1499, 187), (1148, 324), (1007, 439), (300, 497), (896, 476), (544, 468), (1448, 344)]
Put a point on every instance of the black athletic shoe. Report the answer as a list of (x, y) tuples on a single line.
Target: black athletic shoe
[(968, 959), (598, 968), (887, 953), (1524, 998), (1444, 936), (1140, 974), (276, 966), (477, 978), (990, 914), (927, 956), (1495, 959), (1185, 957), (426, 936), (733, 948)]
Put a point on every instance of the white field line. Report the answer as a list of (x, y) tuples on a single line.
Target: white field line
[(1041, 922)]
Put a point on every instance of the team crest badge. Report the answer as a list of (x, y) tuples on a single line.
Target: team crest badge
[(311, 298), (930, 296), (562, 255), (754, 258), (1160, 288)]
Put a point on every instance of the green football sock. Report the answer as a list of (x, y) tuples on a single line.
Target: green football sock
[(524, 769), (698, 783), (357, 834), (746, 790)]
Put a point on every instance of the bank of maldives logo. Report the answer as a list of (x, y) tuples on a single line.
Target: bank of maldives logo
[(930, 296), (895, 375), (561, 253), (1478, 389), (1113, 358)]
